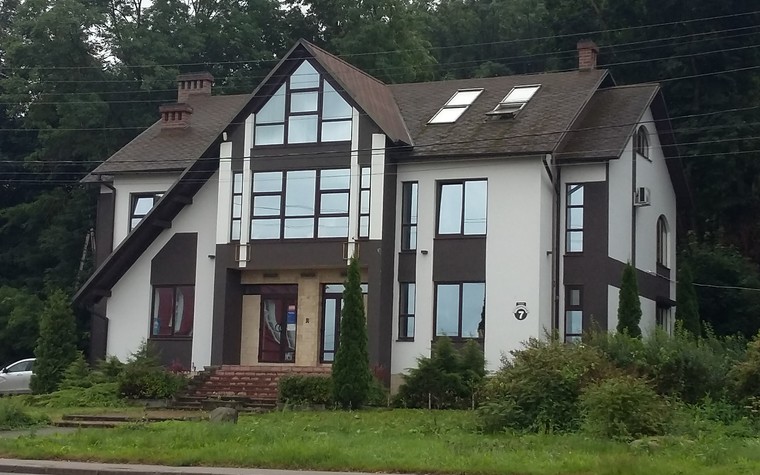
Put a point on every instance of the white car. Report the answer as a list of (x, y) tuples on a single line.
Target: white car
[(14, 378)]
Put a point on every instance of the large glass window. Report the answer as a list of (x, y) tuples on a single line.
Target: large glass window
[(460, 309), (300, 204), (173, 311), (332, 307), (573, 313), (364, 201), (237, 205), (407, 298), (409, 216), (295, 113), (574, 219), (642, 142), (662, 241), (462, 207), (141, 205)]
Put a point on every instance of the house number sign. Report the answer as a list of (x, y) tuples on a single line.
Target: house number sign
[(521, 311)]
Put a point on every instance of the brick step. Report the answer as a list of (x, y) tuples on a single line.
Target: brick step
[(116, 418)]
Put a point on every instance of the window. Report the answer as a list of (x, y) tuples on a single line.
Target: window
[(141, 205), (237, 205), (462, 207), (460, 309), (513, 102), (574, 219), (300, 204), (662, 241), (173, 311), (364, 202), (573, 313), (332, 306), (409, 216), (455, 107), (642, 142), (305, 109), (20, 367), (662, 317), (407, 297)]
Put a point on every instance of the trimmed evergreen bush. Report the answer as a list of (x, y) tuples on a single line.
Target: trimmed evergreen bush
[(298, 389), (629, 305), (56, 347), (77, 375), (623, 407), (143, 377), (448, 379), (350, 371)]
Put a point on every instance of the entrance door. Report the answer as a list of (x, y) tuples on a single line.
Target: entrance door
[(277, 327)]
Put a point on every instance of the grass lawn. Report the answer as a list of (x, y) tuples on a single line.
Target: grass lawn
[(399, 440)]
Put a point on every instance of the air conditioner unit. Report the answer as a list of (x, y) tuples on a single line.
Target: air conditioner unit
[(642, 197)]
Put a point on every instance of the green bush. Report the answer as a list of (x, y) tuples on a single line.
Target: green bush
[(448, 379), (745, 375), (77, 374), (143, 377), (539, 389), (56, 346), (14, 416), (299, 389), (623, 407), (97, 395), (680, 365), (108, 370)]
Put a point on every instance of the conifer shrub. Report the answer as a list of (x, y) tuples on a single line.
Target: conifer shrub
[(745, 377), (350, 371), (623, 407), (449, 379), (56, 347), (77, 375), (539, 388), (629, 305), (143, 377)]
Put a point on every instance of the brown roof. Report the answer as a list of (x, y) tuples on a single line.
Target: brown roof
[(608, 122), (537, 128), (372, 95), (175, 149)]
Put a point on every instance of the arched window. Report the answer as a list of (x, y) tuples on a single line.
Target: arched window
[(662, 241), (642, 142)]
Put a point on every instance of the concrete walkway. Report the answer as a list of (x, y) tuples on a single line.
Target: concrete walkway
[(54, 467)]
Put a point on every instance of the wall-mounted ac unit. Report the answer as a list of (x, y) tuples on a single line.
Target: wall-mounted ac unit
[(641, 198)]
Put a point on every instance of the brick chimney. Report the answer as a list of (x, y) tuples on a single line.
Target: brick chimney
[(193, 84), (587, 53), (175, 116)]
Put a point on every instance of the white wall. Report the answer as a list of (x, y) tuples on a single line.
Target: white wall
[(619, 244), (128, 308), (125, 186), (518, 269)]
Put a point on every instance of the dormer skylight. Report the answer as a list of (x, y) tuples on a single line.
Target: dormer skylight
[(513, 102), (455, 107)]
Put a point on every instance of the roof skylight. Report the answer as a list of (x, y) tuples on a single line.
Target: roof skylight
[(517, 98), (455, 107)]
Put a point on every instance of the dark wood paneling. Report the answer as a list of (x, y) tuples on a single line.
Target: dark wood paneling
[(459, 259), (175, 262), (301, 156), (289, 254), (224, 261), (104, 227), (407, 266)]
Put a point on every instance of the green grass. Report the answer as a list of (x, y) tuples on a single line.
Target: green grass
[(399, 440)]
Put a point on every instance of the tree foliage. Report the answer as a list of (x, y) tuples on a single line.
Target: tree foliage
[(56, 348), (629, 305), (350, 371), (687, 311)]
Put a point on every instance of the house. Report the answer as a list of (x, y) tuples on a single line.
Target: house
[(494, 209)]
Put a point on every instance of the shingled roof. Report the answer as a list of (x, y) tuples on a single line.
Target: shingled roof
[(158, 149), (608, 121), (538, 128)]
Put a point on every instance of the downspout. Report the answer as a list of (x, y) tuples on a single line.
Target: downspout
[(555, 180)]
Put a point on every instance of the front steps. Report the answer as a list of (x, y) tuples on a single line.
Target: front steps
[(246, 388)]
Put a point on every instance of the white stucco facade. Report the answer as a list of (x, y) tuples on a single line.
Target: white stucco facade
[(127, 185), (128, 308)]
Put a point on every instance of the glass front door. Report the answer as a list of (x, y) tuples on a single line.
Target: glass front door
[(277, 329)]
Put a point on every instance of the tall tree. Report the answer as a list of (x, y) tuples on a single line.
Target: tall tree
[(629, 305), (350, 371), (56, 348), (687, 310)]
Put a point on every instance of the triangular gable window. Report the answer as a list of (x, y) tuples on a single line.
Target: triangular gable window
[(305, 109), (455, 107), (513, 102)]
